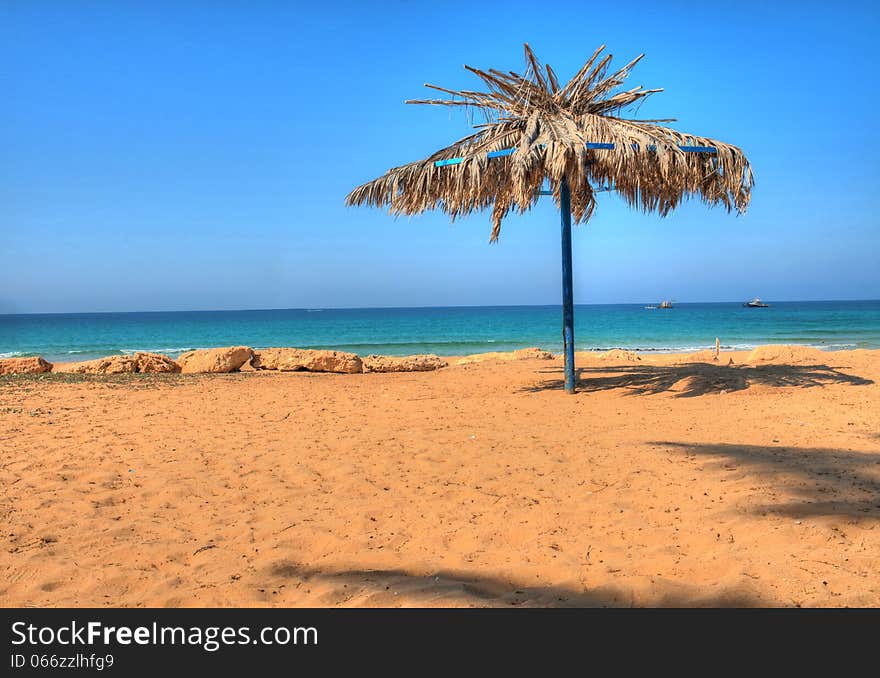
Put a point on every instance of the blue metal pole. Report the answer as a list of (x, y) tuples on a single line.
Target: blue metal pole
[(567, 293)]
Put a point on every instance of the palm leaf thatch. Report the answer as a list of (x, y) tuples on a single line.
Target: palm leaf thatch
[(550, 126)]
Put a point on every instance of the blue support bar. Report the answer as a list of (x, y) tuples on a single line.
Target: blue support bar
[(699, 149), (451, 161), (591, 146), (499, 154), (567, 292)]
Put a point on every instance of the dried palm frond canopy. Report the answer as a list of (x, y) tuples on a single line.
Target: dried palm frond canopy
[(552, 132)]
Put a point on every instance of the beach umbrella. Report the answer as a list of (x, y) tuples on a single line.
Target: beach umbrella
[(540, 137)]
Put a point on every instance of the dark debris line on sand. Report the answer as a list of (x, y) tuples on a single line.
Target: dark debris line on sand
[(132, 379)]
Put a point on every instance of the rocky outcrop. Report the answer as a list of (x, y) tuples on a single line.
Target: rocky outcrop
[(308, 360), (34, 365), (227, 359), (532, 353), (117, 364), (787, 355), (138, 363), (154, 363), (409, 363)]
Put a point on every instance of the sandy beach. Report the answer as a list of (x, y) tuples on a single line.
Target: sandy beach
[(663, 481)]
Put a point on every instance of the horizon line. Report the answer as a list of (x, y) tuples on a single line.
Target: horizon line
[(413, 308)]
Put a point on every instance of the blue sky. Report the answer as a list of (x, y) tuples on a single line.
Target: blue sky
[(195, 155)]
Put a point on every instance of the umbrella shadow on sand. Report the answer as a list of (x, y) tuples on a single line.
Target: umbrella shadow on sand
[(695, 379), (449, 588), (815, 481)]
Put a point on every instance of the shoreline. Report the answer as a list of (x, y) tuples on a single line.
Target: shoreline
[(69, 358), (328, 360)]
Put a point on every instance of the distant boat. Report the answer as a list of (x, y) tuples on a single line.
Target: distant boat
[(756, 303), (651, 308), (665, 304)]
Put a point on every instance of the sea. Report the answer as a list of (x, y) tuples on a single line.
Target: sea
[(830, 325)]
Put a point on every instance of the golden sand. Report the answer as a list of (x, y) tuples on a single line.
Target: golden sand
[(662, 482)]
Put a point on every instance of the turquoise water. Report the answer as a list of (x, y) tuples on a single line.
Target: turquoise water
[(445, 331)]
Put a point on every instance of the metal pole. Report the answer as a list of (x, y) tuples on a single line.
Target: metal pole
[(567, 294)]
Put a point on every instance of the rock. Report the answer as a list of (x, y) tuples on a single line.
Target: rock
[(619, 355), (519, 354), (34, 365), (227, 359), (155, 363), (409, 363), (533, 352), (117, 364), (782, 354), (308, 360), (139, 363)]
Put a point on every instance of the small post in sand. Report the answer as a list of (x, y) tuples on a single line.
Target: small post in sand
[(717, 349)]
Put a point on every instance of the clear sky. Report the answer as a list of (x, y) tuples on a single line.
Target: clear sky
[(195, 155)]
